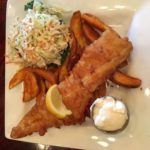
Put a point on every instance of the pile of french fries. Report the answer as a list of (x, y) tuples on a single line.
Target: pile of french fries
[(32, 78), (85, 29)]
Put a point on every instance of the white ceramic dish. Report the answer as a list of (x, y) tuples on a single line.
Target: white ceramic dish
[(119, 15)]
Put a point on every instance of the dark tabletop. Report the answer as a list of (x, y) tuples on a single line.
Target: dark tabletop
[(6, 144)]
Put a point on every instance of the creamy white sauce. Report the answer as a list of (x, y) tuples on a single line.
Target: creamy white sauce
[(109, 114)]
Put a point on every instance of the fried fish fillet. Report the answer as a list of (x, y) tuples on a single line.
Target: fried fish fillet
[(38, 119), (101, 58), (98, 61)]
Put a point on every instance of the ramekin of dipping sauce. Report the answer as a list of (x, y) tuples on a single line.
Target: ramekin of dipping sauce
[(109, 114)]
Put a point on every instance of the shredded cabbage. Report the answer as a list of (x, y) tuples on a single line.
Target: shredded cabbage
[(40, 37)]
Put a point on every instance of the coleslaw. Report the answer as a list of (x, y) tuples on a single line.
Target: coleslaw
[(40, 38)]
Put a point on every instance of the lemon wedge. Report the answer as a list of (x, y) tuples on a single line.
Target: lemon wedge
[(55, 104)]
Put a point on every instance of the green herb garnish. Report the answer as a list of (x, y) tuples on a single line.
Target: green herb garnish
[(29, 5)]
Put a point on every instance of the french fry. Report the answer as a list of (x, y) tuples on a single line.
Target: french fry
[(46, 74), (55, 72), (18, 77), (89, 32), (95, 22), (74, 56), (47, 84), (42, 91), (76, 28), (125, 80), (31, 88), (73, 61), (123, 64), (74, 46), (63, 71), (100, 91)]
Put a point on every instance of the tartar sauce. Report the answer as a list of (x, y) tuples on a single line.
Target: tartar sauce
[(109, 114)]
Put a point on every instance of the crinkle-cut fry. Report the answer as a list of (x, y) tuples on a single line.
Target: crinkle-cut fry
[(76, 28), (31, 88), (90, 32), (125, 80), (18, 77), (95, 22), (46, 74)]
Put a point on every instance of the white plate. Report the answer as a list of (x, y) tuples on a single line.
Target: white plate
[(118, 14)]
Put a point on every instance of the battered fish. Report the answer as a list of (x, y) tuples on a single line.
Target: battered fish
[(98, 61)]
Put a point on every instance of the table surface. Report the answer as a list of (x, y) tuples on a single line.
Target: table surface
[(6, 144)]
